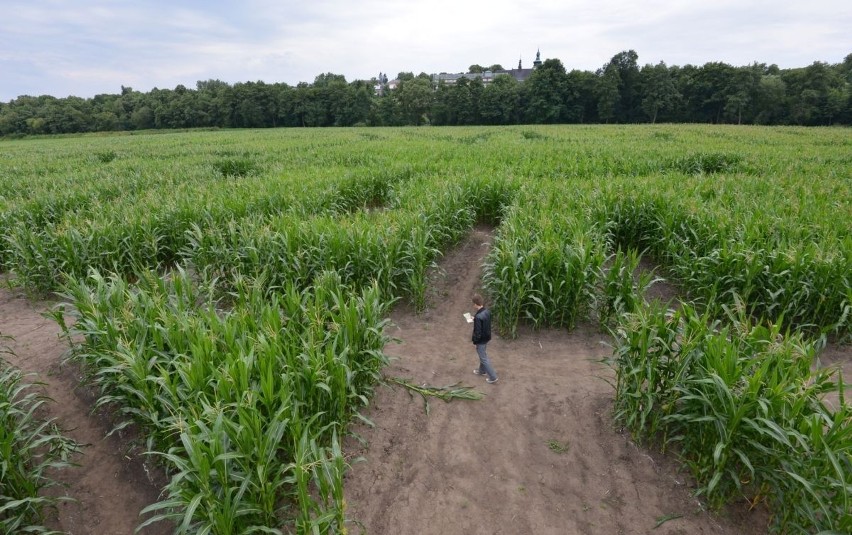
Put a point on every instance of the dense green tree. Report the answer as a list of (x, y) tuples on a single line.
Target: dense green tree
[(770, 99), (332, 96), (142, 118), (253, 107), (836, 102), (706, 91), (819, 94), (473, 115), (816, 93), (500, 101), (743, 92), (608, 94), (547, 88), (215, 100), (386, 111), (105, 121), (415, 98), (442, 112), (63, 116), (659, 90), (583, 102), (358, 100), (627, 106), (11, 121), (463, 101)]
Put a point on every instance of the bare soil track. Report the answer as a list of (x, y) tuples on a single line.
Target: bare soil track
[(538, 455)]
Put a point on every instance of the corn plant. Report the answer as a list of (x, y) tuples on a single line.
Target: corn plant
[(543, 269), (318, 469), (29, 449), (757, 213), (231, 397), (742, 408), (446, 393), (620, 292), (743, 245)]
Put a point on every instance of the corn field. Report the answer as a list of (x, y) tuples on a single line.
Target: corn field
[(230, 291)]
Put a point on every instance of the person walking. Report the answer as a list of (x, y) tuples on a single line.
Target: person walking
[(481, 337)]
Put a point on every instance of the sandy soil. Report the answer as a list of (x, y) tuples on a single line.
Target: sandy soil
[(493, 466), (837, 356), (111, 485)]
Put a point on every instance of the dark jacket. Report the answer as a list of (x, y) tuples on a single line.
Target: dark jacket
[(481, 326)]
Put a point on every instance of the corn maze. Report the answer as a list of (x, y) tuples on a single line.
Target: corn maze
[(230, 291)]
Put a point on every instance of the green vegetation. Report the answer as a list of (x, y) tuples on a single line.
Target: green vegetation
[(446, 393), (557, 446), (742, 407), (665, 518), (29, 448), (231, 288), (244, 402)]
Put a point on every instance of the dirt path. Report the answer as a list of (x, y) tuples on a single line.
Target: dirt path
[(492, 466), (111, 485)]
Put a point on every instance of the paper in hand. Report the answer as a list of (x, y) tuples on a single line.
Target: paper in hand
[(468, 317)]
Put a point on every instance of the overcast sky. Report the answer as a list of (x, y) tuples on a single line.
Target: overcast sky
[(87, 47)]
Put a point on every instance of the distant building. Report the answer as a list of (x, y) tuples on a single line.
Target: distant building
[(520, 74), (381, 82), (452, 78)]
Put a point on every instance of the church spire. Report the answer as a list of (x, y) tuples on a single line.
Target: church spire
[(537, 62)]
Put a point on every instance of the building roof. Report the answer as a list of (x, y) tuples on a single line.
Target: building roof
[(519, 74), (487, 76)]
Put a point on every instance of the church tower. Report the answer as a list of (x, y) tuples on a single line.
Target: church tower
[(537, 62)]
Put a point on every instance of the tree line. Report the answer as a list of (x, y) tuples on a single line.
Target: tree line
[(619, 92)]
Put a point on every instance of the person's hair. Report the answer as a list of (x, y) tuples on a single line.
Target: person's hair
[(477, 300)]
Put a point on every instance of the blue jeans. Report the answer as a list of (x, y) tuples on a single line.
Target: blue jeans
[(485, 364)]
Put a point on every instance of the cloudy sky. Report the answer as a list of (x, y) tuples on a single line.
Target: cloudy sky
[(87, 47)]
